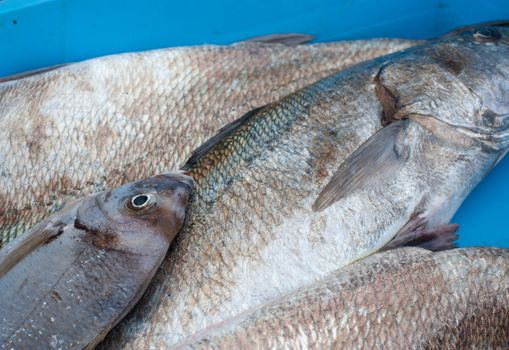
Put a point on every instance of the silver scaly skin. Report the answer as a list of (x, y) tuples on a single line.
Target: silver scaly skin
[(66, 282), (376, 156), (407, 298), (97, 124)]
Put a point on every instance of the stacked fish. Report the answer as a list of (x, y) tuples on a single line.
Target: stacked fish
[(313, 220)]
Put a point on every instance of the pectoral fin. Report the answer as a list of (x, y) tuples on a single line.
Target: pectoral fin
[(15, 251), (375, 158), (41, 233), (288, 39)]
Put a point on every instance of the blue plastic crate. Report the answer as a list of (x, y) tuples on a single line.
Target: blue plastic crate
[(38, 33)]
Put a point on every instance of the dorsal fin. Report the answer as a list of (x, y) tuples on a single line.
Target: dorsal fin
[(30, 73), (288, 39), (224, 132)]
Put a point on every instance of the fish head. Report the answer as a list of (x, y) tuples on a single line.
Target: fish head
[(139, 217), (458, 84)]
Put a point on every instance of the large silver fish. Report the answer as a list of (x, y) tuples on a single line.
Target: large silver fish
[(72, 277), (87, 126), (406, 298), (376, 156)]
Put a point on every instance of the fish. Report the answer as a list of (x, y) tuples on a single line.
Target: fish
[(71, 130), (72, 277), (377, 156), (407, 298)]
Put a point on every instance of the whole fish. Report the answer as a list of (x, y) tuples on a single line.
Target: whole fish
[(78, 129), (407, 298), (71, 278), (295, 190)]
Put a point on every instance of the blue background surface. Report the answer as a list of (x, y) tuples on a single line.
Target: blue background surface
[(38, 33)]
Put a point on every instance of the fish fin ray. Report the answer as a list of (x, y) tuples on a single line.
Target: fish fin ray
[(15, 251), (415, 234), (288, 39), (39, 234), (225, 131), (374, 158), (437, 239)]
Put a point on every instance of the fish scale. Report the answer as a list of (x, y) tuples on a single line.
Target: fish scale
[(235, 153), (398, 299), (322, 207), (71, 278), (100, 123), (210, 294)]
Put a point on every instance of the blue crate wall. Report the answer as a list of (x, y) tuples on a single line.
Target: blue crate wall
[(41, 33)]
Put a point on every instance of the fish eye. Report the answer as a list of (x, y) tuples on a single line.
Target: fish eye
[(141, 201)]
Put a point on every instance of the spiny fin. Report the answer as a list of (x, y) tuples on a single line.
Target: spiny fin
[(30, 73), (288, 39), (414, 233), (374, 158), (225, 131)]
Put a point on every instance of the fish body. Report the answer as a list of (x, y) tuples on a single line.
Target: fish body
[(72, 277), (97, 124), (407, 298), (326, 176)]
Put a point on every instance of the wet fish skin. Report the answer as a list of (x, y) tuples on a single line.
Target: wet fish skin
[(408, 298), (315, 181), (100, 123), (89, 265)]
